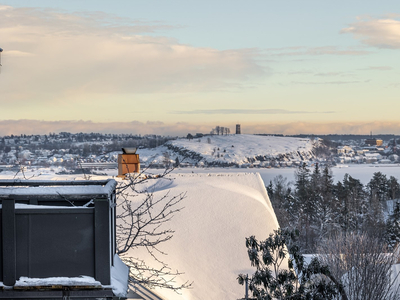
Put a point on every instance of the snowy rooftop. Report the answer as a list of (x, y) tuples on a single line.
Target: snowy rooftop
[(119, 280), (100, 188), (220, 211)]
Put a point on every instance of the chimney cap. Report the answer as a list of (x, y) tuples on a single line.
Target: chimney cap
[(129, 150)]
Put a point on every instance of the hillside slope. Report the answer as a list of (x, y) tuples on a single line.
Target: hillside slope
[(243, 149)]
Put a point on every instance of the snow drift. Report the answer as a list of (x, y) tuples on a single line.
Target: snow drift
[(221, 210)]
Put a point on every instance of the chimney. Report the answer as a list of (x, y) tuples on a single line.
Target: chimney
[(128, 162)]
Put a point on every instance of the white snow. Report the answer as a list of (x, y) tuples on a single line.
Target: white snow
[(119, 280), (222, 207), (152, 155), (31, 206), (238, 149), (57, 190), (119, 277), (64, 281), (396, 276), (220, 211)]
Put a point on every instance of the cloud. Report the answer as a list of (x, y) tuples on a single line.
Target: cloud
[(248, 111), (17, 53), (394, 85), (325, 128), (380, 33), (382, 68), (5, 7), (315, 51), (300, 72), (17, 127), (328, 82), (51, 55), (23, 126), (329, 74), (70, 24)]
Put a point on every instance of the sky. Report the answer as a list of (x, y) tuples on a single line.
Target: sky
[(174, 67)]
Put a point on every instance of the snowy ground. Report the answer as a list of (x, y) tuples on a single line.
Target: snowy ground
[(238, 149), (231, 150), (222, 207)]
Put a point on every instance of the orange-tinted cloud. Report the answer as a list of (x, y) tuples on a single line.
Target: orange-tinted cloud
[(16, 127), (326, 128)]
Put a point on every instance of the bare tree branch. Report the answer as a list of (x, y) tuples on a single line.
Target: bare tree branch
[(364, 265), (142, 222)]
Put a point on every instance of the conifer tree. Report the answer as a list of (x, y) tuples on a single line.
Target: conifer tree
[(283, 274), (279, 192), (326, 224), (394, 188), (393, 227), (379, 186), (374, 224), (304, 205), (352, 205)]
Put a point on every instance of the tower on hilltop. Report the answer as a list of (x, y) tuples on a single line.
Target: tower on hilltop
[(238, 129)]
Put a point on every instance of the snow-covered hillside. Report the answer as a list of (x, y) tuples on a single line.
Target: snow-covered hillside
[(222, 151), (243, 149)]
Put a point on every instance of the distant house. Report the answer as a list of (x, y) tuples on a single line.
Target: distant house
[(385, 161), (345, 150), (372, 157), (373, 142)]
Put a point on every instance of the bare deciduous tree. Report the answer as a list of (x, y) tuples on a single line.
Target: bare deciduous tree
[(363, 264), (142, 221)]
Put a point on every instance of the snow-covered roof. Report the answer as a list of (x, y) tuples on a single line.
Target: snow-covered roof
[(46, 188), (220, 211), (119, 280), (62, 281), (373, 155)]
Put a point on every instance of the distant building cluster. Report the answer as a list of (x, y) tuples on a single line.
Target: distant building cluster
[(370, 151), (94, 149), (67, 149)]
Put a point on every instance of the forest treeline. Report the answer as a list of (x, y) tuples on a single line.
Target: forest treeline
[(322, 209)]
